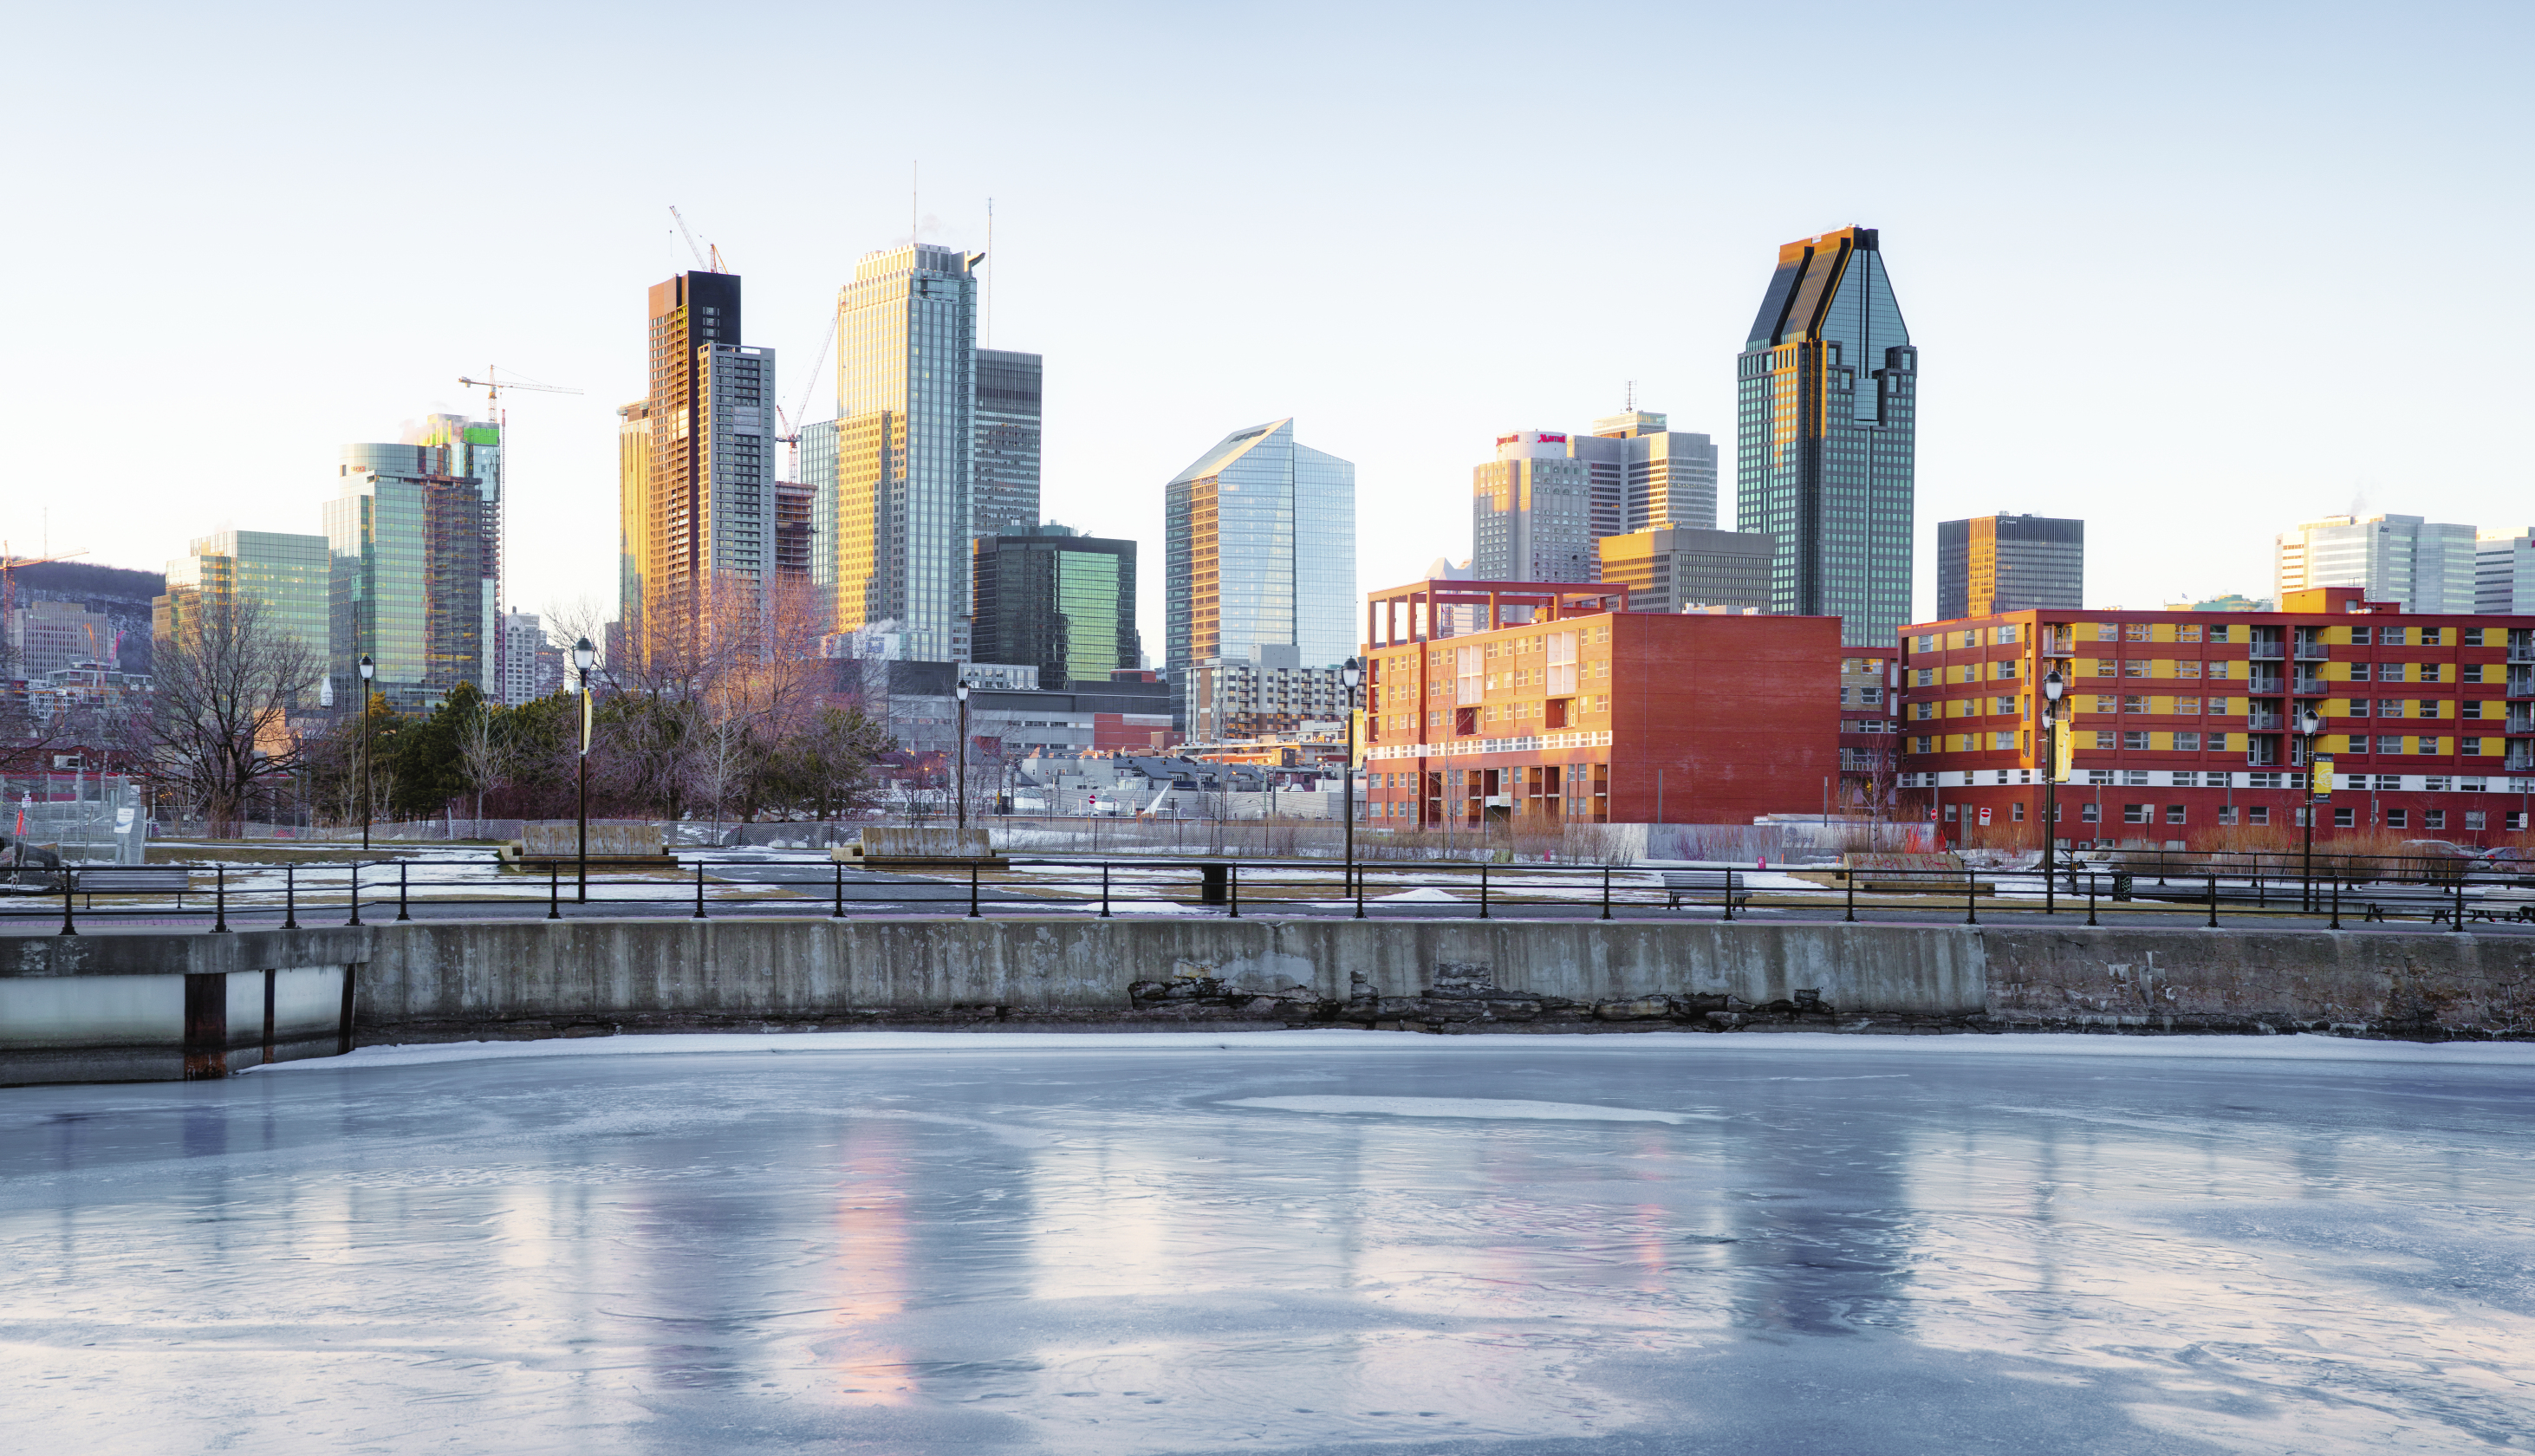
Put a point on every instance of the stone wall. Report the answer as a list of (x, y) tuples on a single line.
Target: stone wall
[(436, 980)]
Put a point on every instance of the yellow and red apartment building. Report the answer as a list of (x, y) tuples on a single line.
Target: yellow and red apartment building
[(1587, 712), (2183, 725)]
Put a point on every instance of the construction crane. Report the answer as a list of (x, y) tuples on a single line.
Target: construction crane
[(790, 425), (716, 265), (492, 384), (9, 565)]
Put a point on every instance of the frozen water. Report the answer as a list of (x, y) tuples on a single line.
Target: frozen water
[(1320, 1242)]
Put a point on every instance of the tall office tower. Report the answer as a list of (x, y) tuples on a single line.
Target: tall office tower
[(1646, 476), (1005, 486), (1825, 454), (1531, 512), (524, 649), (705, 485), (1670, 567), (474, 452), (793, 533), (49, 636), (2425, 565), (633, 523), (907, 382), (407, 583), (1061, 602), (2006, 562), (2504, 571), (816, 464), (1259, 542)]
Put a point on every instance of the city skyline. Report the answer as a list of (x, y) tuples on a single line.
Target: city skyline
[(2129, 207)]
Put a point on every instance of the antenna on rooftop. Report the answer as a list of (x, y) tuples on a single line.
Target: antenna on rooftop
[(989, 321), (1632, 398)]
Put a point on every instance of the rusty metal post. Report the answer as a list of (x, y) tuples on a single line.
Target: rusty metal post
[(207, 1025)]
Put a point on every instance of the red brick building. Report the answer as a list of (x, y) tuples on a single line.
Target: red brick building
[(1591, 713), (2182, 724)]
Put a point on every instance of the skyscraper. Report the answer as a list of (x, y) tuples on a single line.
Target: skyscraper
[(1061, 602), (704, 491), (1260, 537), (1669, 568), (2504, 571), (1825, 428), (407, 583), (907, 382), (2006, 562), (472, 451), (287, 575), (1531, 512), (1004, 489), (1648, 477), (2426, 566)]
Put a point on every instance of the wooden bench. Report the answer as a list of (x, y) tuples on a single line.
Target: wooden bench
[(1679, 882)]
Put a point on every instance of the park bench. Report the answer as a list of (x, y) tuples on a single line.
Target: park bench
[(1679, 882), (131, 879)]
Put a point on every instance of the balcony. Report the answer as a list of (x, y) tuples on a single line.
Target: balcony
[(2521, 721), (2263, 753), (2310, 649), (2265, 722), (2266, 651), (2309, 687), (2264, 685), (2521, 756), (2521, 682), (2521, 652)]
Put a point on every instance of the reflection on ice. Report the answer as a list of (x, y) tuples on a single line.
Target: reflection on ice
[(936, 1245)]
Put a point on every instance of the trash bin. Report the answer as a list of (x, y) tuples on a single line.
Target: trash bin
[(1214, 889), (2120, 885)]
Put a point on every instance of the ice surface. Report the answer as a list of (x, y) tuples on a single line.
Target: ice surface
[(1471, 1107), (935, 1243)]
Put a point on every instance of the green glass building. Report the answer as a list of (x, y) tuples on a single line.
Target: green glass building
[(287, 575), (1061, 602), (406, 587), (1827, 404)]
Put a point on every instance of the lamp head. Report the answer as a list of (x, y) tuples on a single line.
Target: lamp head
[(2308, 722), (2053, 686), (369, 669), (584, 655), (961, 692), (1352, 673)]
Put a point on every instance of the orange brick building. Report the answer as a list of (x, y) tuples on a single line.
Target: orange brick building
[(1588, 713), (2182, 724)]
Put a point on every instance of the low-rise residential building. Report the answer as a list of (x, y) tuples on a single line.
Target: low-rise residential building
[(1267, 690), (2182, 726), (1869, 740), (1568, 707)]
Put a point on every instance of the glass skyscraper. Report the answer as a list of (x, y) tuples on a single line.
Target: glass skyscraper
[(287, 575), (1261, 545), (907, 394), (1058, 601), (2006, 562), (1005, 490), (1826, 399), (406, 582)]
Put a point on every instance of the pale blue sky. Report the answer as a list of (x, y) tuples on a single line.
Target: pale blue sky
[(2188, 272)]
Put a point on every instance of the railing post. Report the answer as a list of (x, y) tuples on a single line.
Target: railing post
[(2336, 904), (356, 894), (290, 896), (1971, 897), (401, 912), (2213, 902), (700, 889), (2050, 885), (1104, 889), (1729, 892), (1483, 890), (973, 889), (840, 912), (1606, 892), (554, 889), (1232, 887), (2091, 897), (2458, 925), (1850, 879), (1359, 893)]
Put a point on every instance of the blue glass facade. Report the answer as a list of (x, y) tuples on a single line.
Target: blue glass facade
[(1825, 428), (1260, 552)]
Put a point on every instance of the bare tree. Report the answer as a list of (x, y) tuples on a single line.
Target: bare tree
[(483, 758), (224, 683)]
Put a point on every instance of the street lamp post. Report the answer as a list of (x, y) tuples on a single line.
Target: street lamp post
[(584, 656), (2052, 687), (2308, 722), (369, 670), (1350, 675), (959, 784)]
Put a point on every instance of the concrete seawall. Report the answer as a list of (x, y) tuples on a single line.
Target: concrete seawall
[(119, 1006)]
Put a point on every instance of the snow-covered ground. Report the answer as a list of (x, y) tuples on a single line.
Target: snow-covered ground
[(1315, 1240)]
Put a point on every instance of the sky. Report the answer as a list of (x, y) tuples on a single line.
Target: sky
[(2191, 273)]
